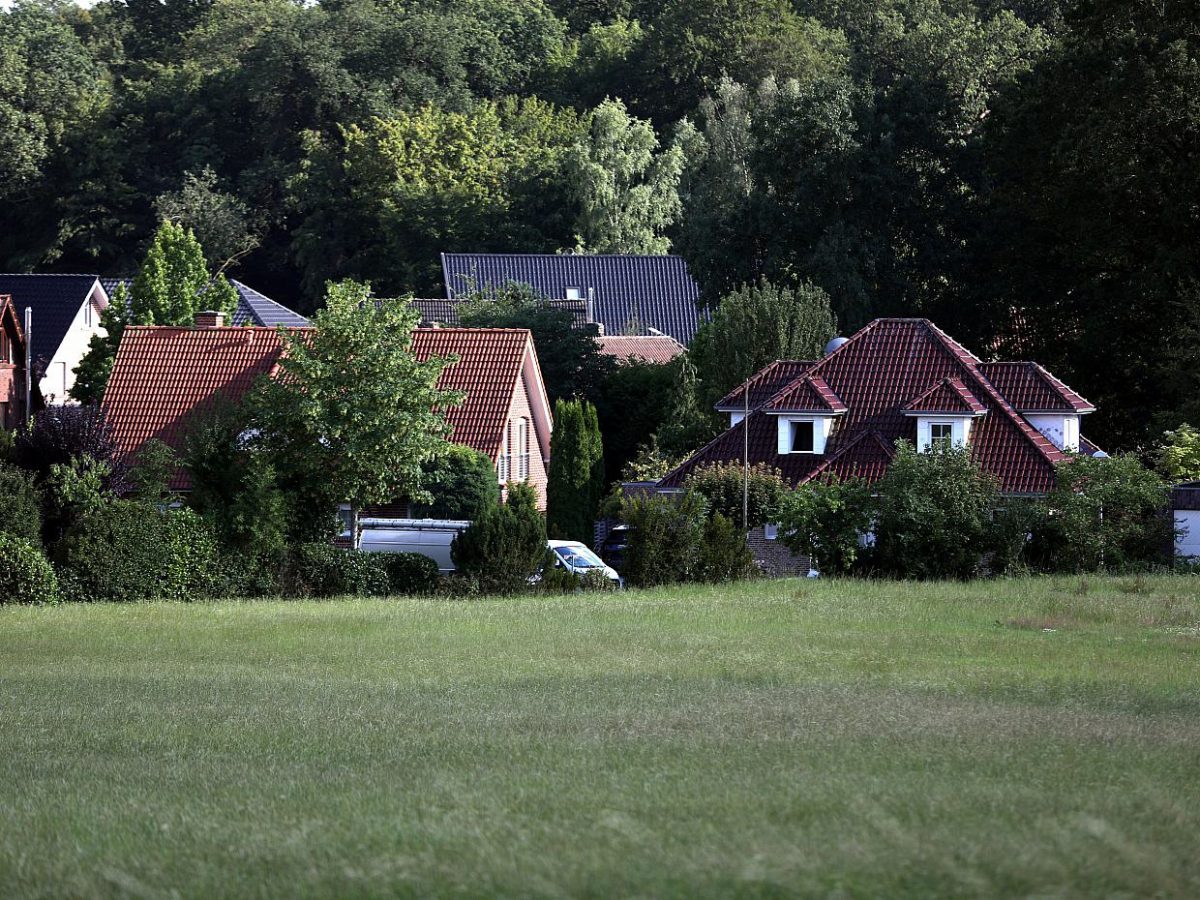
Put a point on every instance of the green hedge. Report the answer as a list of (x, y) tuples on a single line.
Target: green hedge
[(25, 574), (323, 570), (134, 551)]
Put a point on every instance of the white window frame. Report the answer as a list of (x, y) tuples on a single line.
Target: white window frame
[(523, 449), (574, 293), (502, 464), (821, 426), (947, 438)]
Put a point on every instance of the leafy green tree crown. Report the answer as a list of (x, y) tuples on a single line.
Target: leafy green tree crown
[(352, 405)]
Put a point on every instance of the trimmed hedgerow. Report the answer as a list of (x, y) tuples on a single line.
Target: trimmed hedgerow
[(25, 574), (134, 551)]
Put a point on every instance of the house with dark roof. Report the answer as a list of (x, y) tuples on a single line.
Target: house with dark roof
[(253, 307), (164, 376), (899, 379), (65, 313), (438, 311), (624, 294), (12, 366)]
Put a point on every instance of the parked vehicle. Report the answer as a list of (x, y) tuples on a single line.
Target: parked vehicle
[(579, 559), (613, 547), (429, 537)]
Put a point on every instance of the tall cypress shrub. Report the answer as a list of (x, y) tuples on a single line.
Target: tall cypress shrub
[(576, 477)]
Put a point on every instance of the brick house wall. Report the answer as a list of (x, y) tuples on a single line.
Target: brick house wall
[(12, 368), (522, 408), (773, 558)]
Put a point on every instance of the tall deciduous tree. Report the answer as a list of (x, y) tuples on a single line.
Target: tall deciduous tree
[(576, 477), (351, 404), (628, 190), (756, 325)]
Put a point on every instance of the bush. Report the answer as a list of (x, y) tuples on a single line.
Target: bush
[(666, 533), (505, 546), (234, 486), (133, 551), (60, 434), (462, 483), (323, 570), (25, 574), (934, 516), (722, 486), (411, 573), (724, 553), (825, 520), (20, 504), (1105, 513)]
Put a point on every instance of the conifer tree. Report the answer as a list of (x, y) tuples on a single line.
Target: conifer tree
[(576, 478)]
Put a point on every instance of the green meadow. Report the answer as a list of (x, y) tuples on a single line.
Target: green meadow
[(848, 738)]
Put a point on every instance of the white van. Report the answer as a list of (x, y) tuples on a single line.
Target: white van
[(429, 537)]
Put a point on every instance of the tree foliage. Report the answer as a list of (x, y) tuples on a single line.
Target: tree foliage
[(506, 545), (933, 518), (628, 191), (722, 486), (461, 482), (352, 406), (576, 477), (756, 325), (826, 520), (1179, 454)]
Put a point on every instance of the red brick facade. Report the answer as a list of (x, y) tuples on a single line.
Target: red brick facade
[(12, 366)]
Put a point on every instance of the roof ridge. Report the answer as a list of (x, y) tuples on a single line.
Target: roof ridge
[(573, 255)]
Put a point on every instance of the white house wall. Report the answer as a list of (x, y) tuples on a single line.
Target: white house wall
[(1062, 431), (60, 372)]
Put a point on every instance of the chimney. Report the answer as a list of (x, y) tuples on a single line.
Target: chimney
[(591, 305), (210, 319)]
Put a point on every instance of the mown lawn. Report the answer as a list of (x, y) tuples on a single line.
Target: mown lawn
[(783, 738)]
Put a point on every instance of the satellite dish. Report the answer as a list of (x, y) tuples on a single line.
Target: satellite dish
[(834, 344)]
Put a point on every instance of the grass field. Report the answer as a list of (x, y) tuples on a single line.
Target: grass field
[(781, 738)]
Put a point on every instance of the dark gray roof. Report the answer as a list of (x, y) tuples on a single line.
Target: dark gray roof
[(55, 301), (253, 308), (647, 291), (436, 311), (256, 309)]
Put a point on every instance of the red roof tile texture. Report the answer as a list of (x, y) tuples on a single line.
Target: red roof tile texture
[(651, 348), (876, 374), (807, 394), (164, 376), (1029, 388), (949, 396), (765, 384)]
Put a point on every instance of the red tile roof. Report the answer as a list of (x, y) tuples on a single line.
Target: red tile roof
[(652, 348), (163, 376), (949, 395), (765, 384), (807, 394), (490, 361), (877, 373), (1030, 388)]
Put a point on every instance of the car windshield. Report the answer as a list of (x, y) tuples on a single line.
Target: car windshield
[(579, 557)]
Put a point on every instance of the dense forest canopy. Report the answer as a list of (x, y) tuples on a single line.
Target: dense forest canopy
[(1025, 172)]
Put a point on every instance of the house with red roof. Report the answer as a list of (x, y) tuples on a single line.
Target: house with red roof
[(12, 365), (644, 348), (899, 379), (163, 377)]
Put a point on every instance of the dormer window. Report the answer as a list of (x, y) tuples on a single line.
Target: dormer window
[(941, 433), (803, 438)]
